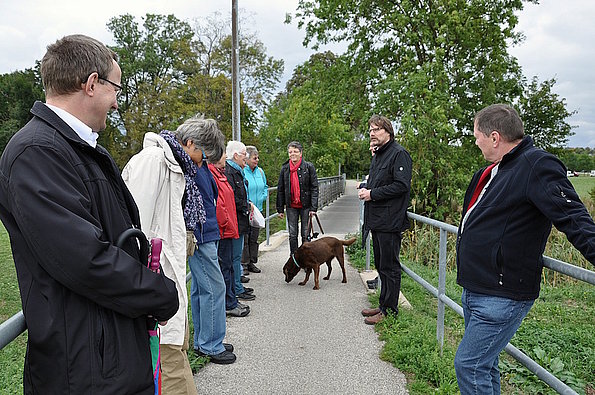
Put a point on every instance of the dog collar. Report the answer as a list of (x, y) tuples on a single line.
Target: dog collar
[(294, 261)]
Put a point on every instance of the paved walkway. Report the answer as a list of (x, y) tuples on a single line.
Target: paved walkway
[(300, 341)]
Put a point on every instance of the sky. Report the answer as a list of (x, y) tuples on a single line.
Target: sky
[(559, 41)]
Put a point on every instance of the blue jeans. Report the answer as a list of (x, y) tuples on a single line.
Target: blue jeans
[(490, 323), (293, 214), (225, 252), (238, 246), (207, 299)]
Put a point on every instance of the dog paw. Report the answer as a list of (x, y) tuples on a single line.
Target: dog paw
[(302, 283), (344, 281), (315, 288), (326, 278)]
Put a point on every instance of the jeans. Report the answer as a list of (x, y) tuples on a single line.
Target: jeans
[(225, 253), (490, 323), (207, 299), (250, 253), (387, 246), (293, 214), (238, 246)]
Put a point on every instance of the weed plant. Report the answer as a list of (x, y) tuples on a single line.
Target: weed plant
[(559, 332)]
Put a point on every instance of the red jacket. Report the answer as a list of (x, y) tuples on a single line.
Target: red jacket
[(226, 206)]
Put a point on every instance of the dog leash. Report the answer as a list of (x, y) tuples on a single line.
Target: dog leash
[(311, 227), (294, 261)]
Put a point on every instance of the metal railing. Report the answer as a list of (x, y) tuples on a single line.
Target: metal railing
[(443, 300), (330, 188)]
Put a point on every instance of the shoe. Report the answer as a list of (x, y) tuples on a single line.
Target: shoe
[(372, 282), (244, 279), (245, 272), (373, 285), (252, 268), (243, 306), (248, 290), (245, 296), (237, 312), (374, 319), (370, 312), (223, 358)]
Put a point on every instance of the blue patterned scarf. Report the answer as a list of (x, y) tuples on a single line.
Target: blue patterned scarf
[(194, 211)]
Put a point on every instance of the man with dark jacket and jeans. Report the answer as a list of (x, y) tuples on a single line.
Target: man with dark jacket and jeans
[(386, 197), (508, 212), (64, 204), (297, 192)]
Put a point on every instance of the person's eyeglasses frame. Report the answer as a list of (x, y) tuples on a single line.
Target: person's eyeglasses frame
[(118, 89), (374, 130)]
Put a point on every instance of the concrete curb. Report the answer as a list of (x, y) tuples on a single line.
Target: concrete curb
[(372, 274)]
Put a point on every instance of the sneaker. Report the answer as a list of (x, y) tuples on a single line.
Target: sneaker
[(245, 296), (248, 290), (237, 312), (252, 268), (223, 358), (244, 279)]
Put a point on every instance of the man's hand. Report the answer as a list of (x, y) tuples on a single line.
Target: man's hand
[(312, 213), (364, 194), (162, 323), (281, 215)]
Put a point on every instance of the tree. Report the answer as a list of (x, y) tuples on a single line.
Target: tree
[(18, 91), (431, 66), (259, 73)]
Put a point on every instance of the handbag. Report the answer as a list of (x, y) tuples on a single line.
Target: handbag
[(256, 218)]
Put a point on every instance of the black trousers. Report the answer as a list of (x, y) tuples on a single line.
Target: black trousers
[(387, 247), (250, 251)]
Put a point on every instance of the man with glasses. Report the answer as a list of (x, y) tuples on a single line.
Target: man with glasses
[(386, 197), (64, 204)]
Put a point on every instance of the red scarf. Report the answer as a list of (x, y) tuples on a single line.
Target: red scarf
[(483, 180), (294, 183)]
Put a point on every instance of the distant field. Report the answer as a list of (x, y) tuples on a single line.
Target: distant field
[(583, 184)]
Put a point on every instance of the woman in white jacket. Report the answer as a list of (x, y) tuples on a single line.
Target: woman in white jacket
[(161, 179)]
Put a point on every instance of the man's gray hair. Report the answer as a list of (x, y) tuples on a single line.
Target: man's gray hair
[(205, 134)]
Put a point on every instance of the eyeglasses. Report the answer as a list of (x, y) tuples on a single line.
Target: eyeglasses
[(374, 130), (118, 87)]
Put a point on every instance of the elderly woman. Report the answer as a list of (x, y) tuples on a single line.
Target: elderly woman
[(257, 194), (236, 160), (161, 180)]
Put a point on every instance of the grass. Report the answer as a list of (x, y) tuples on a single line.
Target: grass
[(559, 333), (583, 185)]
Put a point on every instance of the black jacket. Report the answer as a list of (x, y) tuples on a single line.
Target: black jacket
[(389, 183), (501, 243), (85, 301), (308, 186), (239, 185)]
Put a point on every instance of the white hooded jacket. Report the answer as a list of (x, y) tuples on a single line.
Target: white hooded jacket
[(157, 184)]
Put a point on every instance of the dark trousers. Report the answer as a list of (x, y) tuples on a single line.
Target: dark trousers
[(293, 214), (225, 255), (386, 259), (250, 252)]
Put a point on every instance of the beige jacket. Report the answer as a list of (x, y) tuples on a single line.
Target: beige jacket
[(157, 184)]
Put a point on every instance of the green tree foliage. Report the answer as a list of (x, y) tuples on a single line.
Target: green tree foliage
[(18, 91), (259, 74), (431, 66), (317, 109)]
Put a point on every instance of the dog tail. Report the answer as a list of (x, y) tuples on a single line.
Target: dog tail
[(348, 242)]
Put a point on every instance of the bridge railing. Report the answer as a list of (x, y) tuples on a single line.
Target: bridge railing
[(330, 188), (443, 300)]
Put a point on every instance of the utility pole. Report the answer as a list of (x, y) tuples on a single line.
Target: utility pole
[(235, 74)]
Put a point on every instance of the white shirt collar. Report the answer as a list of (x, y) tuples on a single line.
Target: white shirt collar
[(84, 132)]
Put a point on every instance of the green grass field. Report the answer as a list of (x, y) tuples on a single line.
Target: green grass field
[(583, 185)]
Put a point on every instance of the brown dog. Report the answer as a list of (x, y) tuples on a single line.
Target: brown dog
[(313, 254)]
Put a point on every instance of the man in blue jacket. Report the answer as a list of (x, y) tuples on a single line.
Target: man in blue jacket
[(386, 197), (508, 212)]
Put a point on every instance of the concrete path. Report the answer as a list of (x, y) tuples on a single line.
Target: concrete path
[(300, 341)]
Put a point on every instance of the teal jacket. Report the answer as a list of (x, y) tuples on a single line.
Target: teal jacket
[(257, 186)]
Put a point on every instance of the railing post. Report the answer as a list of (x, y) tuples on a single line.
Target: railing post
[(268, 223), (441, 288)]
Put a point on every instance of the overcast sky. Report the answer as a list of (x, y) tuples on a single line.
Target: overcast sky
[(560, 38)]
